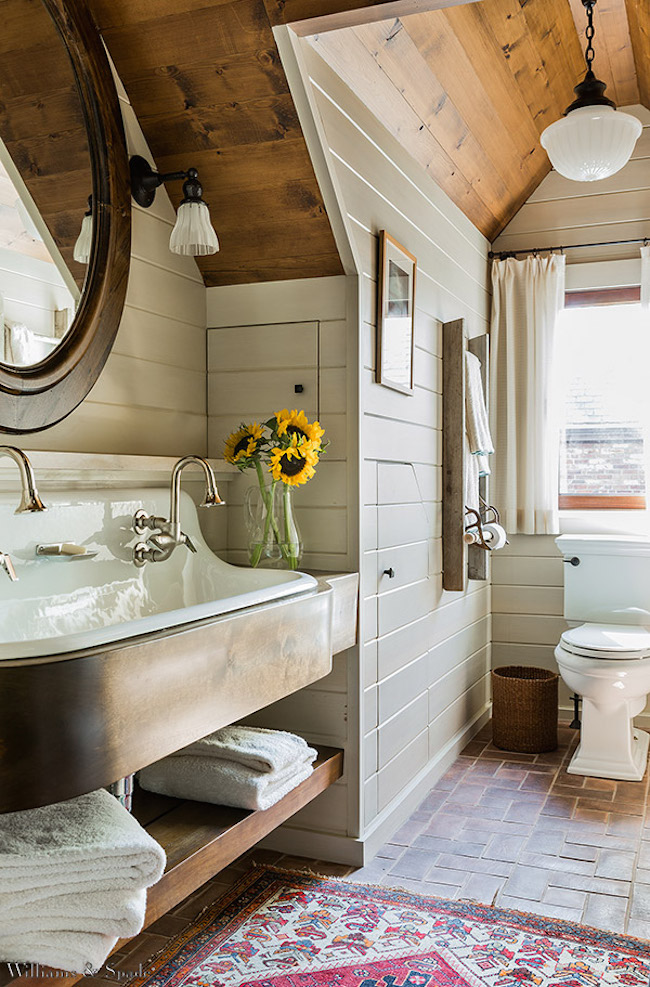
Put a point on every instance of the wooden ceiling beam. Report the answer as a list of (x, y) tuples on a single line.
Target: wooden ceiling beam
[(308, 17)]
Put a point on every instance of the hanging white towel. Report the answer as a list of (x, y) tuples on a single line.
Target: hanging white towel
[(478, 441), (471, 478), (89, 843), (24, 347), (256, 747), (476, 416)]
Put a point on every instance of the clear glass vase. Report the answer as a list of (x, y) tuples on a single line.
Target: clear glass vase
[(273, 535)]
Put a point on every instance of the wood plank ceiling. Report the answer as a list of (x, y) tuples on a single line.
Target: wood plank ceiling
[(206, 83), (467, 90)]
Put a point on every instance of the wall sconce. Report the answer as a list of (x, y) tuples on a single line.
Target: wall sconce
[(82, 247), (193, 234)]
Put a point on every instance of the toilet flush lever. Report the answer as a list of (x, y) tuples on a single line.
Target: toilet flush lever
[(574, 560)]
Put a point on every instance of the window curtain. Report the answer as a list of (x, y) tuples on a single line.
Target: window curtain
[(527, 296), (645, 276)]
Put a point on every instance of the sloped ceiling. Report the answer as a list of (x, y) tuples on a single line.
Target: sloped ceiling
[(469, 90), (206, 83)]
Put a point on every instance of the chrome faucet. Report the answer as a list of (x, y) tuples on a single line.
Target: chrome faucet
[(29, 500), (167, 532)]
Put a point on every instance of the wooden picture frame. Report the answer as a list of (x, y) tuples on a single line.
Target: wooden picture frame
[(395, 315)]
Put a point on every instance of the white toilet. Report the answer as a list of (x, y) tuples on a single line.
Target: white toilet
[(605, 656)]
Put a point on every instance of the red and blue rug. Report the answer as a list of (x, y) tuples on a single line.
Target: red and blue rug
[(280, 929)]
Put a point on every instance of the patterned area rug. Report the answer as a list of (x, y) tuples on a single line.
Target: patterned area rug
[(281, 929)]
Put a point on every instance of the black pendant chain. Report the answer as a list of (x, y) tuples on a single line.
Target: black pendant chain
[(589, 33)]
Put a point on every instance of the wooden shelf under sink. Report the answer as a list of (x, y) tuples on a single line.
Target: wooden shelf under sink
[(200, 840)]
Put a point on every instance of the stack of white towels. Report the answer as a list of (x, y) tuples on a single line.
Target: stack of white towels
[(72, 881), (248, 767)]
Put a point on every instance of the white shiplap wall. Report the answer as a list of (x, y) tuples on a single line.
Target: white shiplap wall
[(151, 396), (263, 339), (527, 577), (425, 651)]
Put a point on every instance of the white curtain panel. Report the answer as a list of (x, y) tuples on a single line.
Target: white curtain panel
[(645, 276), (527, 296)]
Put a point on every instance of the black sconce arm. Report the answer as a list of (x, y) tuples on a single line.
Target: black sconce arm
[(145, 181)]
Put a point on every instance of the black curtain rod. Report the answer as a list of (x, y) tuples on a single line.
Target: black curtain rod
[(502, 254)]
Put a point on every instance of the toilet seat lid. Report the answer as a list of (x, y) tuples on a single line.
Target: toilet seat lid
[(609, 641)]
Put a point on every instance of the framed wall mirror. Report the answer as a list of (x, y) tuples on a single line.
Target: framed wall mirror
[(65, 211)]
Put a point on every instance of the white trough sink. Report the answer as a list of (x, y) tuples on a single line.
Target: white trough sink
[(62, 605)]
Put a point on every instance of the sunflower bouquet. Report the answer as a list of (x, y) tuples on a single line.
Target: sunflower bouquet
[(288, 447)]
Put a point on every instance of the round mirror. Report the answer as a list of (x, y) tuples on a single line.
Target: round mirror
[(64, 211)]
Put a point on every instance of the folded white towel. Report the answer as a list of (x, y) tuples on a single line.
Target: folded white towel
[(476, 416), (89, 843), (114, 913), (76, 952), (206, 779), (256, 747)]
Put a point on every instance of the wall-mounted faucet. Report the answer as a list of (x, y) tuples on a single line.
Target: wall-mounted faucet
[(167, 532), (29, 500)]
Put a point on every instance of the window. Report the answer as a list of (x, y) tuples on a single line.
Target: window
[(604, 360)]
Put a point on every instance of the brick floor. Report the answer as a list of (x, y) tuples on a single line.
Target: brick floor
[(510, 830), (518, 831)]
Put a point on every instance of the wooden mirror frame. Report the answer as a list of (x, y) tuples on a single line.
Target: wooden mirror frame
[(36, 397)]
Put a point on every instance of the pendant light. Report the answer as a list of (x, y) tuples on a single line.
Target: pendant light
[(193, 234), (593, 140)]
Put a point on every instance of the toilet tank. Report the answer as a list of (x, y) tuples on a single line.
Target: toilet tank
[(609, 580)]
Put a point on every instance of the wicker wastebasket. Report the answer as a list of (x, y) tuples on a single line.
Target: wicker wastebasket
[(524, 709)]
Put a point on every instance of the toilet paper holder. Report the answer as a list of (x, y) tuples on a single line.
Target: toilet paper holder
[(474, 533)]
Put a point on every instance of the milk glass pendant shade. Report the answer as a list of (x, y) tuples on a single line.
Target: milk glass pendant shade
[(193, 234), (83, 246), (593, 140)]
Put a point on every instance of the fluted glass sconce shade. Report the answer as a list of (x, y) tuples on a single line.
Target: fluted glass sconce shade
[(83, 246), (593, 140), (81, 252), (193, 234)]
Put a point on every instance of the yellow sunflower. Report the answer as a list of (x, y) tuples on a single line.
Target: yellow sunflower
[(295, 464), (295, 422), (243, 443)]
